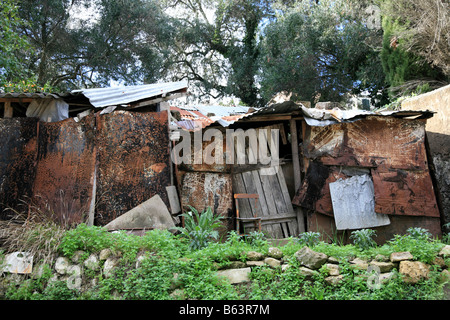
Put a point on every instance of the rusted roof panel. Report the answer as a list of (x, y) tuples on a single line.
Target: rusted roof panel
[(133, 161), (402, 192), (376, 141)]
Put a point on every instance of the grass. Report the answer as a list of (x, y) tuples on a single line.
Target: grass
[(174, 269)]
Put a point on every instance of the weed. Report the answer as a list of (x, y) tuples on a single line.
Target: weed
[(309, 238), (363, 238), (199, 228)]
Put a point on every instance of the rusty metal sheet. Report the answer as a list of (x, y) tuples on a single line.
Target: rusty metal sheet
[(371, 142), (133, 161), (315, 192), (207, 189), (18, 151), (402, 192), (65, 168)]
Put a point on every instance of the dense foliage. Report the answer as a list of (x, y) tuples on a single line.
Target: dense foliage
[(249, 49)]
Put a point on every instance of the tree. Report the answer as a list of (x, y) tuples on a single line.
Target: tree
[(416, 44), (122, 42), (12, 67), (217, 46), (320, 50)]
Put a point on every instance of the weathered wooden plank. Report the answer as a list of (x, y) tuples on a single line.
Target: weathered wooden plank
[(239, 187), (8, 111), (262, 200), (293, 226), (269, 195)]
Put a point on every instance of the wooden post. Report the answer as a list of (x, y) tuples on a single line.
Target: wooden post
[(297, 172), (295, 159), (8, 112)]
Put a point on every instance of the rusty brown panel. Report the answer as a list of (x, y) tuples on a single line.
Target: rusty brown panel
[(402, 192), (371, 142), (18, 152), (207, 189), (65, 168), (133, 161)]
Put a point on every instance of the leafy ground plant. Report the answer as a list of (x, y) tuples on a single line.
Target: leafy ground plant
[(200, 228), (363, 238)]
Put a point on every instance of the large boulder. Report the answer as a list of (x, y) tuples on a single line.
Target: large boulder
[(311, 259), (151, 214)]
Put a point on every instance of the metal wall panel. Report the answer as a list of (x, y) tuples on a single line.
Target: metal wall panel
[(65, 168), (373, 142), (402, 192), (18, 151), (133, 161)]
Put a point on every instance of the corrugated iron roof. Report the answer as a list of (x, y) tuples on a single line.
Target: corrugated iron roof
[(114, 96), (37, 95)]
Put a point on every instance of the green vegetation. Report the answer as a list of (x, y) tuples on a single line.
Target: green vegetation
[(176, 267)]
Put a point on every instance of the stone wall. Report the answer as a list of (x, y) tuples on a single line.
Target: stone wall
[(83, 270), (438, 135)]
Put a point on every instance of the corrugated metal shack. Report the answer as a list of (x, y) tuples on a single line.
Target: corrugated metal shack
[(101, 151), (340, 171)]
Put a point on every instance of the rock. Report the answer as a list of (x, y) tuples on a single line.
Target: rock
[(333, 269), (273, 263), (176, 282), (254, 263), (236, 276), (92, 262), (334, 280), (439, 261), (76, 257), (284, 267), (178, 294), (413, 271), (105, 254), (383, 266), (445, 251), (74, 279), (386, 277), (444, 276), (139, 260), (333, 260), (359, 264), (109, 266), (254, 256), (381, 258), (311, 259), (61, 265), (275, 253), (152, 213), (401, 256), (308, 273), (235, 265)]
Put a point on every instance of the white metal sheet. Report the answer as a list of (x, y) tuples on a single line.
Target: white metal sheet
[(354, 204)]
